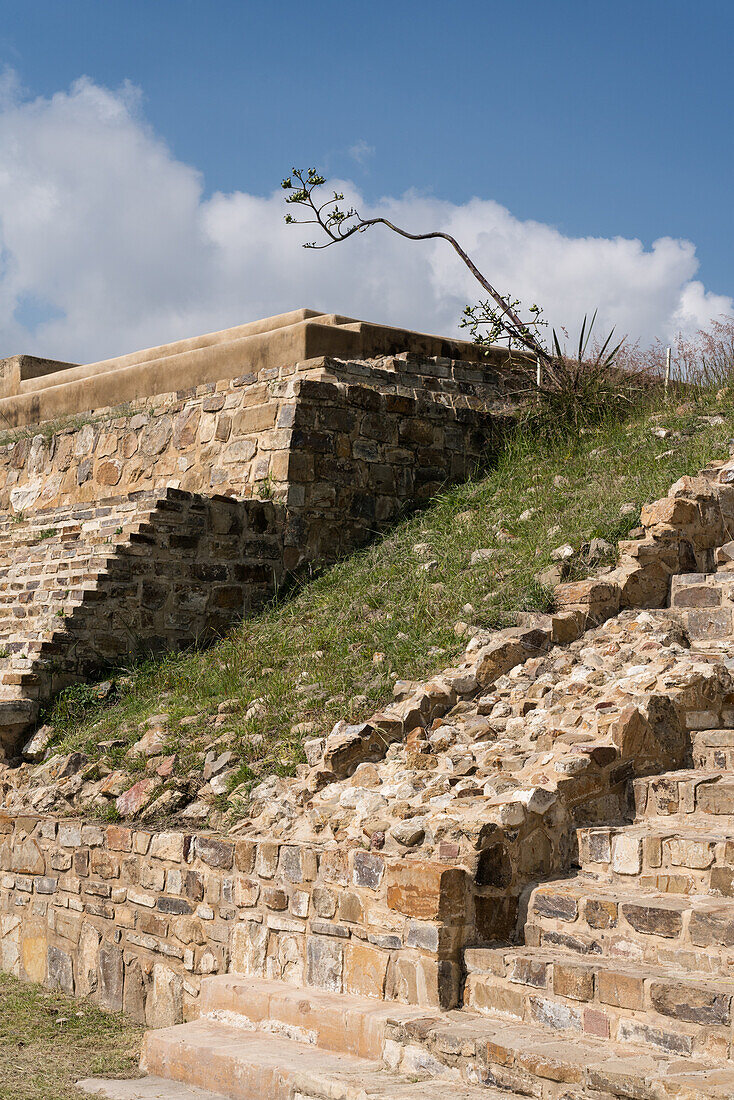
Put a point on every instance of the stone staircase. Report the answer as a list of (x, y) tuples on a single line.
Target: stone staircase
[(263, 1040), (623, 987), (83, 586), (49, 564), (540, 1034), (634, 952)]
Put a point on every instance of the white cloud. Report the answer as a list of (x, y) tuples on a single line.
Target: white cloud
[(108, 244), (361, 151)]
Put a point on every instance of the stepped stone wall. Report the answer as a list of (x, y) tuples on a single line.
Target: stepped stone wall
[(343, 445), (33, 390), (540, 840), (137, 918), (82, 586), (335, 447)]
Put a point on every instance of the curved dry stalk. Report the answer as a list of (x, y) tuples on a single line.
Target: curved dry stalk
[(339, 225)]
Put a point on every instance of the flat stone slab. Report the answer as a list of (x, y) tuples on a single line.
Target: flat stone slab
[(145, 1088)]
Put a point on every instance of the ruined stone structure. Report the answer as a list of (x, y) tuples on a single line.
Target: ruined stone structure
[(532, 891), (118, 536)]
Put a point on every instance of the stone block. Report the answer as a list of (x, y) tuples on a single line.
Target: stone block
[(559, 906), (266, 861), (218, 854), (626, 855), (690, 1003), (653, 921), (620, 990), (708, 929), (248, 947), (556, 1015), (527, 970), (325, 963), (367, 870), (34, 953), (574, 982), (164, 1004), (111, 977), (418, 888), (710, 624), (59, 970), (169, 846), (365, 970)]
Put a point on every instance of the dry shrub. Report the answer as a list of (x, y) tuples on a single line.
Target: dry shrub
[(704, 360)]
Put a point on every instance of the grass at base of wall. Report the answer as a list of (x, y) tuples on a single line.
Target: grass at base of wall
[(405, 606), (48, 1042)]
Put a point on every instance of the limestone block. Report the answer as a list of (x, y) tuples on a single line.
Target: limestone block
[(87, 966), (325, 963), (134, 993), (10, 934), (111, 974), (164, 1004), (626, 855), (248, 947), (621, 990), (574, 982), (365, 970)]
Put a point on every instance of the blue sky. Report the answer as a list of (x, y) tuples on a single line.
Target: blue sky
[(599, 120)]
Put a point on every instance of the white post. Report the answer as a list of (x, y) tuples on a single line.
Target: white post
[(667, 368), (538, 375)]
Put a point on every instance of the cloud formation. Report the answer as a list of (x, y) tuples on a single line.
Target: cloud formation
[(108, 244)]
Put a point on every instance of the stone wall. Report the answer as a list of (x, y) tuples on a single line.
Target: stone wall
[(136, 918), (344, 446), (34, 390), (315, 458), (82, 586)]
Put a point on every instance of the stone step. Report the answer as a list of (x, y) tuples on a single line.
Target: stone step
[(694, 795), (145, 1088), (713, 749), (667, 858), (587, 917), (342, 1023), (531, 1060), (251, 1065), (656, 1007)]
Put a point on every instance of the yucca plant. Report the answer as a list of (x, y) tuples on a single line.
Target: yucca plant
[(577, 389)]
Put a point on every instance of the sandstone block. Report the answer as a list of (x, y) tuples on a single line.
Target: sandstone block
[(574, 982), (426, 890), (365, 970), (620, 990)]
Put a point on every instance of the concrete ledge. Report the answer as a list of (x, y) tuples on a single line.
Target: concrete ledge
[(18, 369), (39, 394)]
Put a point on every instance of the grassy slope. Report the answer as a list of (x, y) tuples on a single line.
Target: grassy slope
[(336, 648), (49, 1041)]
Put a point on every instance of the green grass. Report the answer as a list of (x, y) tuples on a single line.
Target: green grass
[(335, 648), (49, 1041), (72, 422)]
